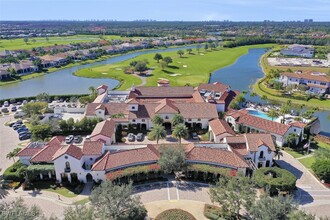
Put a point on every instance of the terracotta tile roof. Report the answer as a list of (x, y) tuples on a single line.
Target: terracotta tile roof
[(220, 127), (254, 141), (102, 87), (101, 106), (217, 156), (197, 97), (236, 139), (197, 110), (111, 108), (308, 76), (126, 158), (105, 128), (92, 148), (31, 149), (132, 101), (47, 153), (216, 87), (166, 106), (239, 148), (71, 150), (298, 124), (242, 117), (164, 92)]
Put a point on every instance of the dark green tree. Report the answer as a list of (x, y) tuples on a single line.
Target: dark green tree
[(173, 158), (158, 57)]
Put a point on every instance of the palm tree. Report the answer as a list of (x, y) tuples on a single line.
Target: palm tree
[(92, 90), (177, 119), (13, 153), (278, 152), (158, 132), (157, 120), (273, 114), (180, 131), (285, 109)]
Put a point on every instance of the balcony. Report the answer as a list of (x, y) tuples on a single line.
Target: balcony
[(261, 158), (67, 170)]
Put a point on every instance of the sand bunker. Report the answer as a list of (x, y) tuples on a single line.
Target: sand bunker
[(176, 74), (119, 69), (104, 73), (185, 66)]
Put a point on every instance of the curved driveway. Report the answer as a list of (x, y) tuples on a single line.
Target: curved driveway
[(311, 194)]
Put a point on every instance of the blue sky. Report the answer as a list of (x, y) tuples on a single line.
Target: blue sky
[(166, 10)]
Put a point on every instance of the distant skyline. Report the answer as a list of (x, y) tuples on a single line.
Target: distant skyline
[(166, 10)]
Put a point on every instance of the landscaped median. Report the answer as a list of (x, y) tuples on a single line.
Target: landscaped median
[(191, 69)]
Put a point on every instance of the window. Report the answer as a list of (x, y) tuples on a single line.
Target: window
[(133, 107), (66, 157), (143, 120), (261, 155), (294, 130), (67, 165), (166, 117), (189, 119), (133, 120), (91, 158), (199, 119)]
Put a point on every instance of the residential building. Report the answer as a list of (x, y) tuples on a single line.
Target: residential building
[(318, 83), (242, 121), (298, 50)]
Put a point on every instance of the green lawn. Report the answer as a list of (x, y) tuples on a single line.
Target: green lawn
[(294, 153), (19, 44), (64, 191), (191, 69), (323, 145), (307, 162), (82, 202)]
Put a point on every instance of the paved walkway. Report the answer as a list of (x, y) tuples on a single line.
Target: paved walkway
[(311, 194)]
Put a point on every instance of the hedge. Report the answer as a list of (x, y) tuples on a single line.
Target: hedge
[(321, 168), (275, 179), (213, 212), (132, 171), (177, 214), (15, 172)]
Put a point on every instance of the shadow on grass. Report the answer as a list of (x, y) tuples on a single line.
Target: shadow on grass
[(173, 67), (168, 72), (303, 197)]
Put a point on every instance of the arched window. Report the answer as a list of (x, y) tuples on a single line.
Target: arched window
[(67, 165), (261, 155)]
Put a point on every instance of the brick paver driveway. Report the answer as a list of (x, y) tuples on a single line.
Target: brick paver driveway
[(311, 194)]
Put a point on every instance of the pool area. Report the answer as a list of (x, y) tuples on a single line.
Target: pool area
[(261, 115)]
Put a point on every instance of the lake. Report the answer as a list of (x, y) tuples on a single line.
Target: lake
[(64, 82)]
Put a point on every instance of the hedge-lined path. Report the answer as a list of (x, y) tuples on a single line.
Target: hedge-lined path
[(312, 195)]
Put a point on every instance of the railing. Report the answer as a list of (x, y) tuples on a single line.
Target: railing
[(262, 158)]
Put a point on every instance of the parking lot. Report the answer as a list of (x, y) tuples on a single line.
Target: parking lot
[(173, 190), (8, 141), (168, 140)]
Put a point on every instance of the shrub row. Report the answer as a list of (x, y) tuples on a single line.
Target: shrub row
[(15, 172)]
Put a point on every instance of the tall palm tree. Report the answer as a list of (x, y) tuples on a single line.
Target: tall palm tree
[(180, 131), (273, 114), (158, 132), (92, 90), (285, 109), (278, 152), (13, 153), (177, 119), (157, 120)]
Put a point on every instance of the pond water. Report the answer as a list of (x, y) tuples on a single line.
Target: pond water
[(64, 82), (246, 71)]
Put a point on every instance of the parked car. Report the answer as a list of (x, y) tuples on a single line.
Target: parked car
[(24, 102), (22, 129), (19, 114), (17, 126), (77, 139), (130, 137), (18, 103), (6, 104), (139, 137), (24, 136), (194, 136), (88, 137), (5, 110), (15, 123), (24, 132), (14, 109), (69, 139)]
